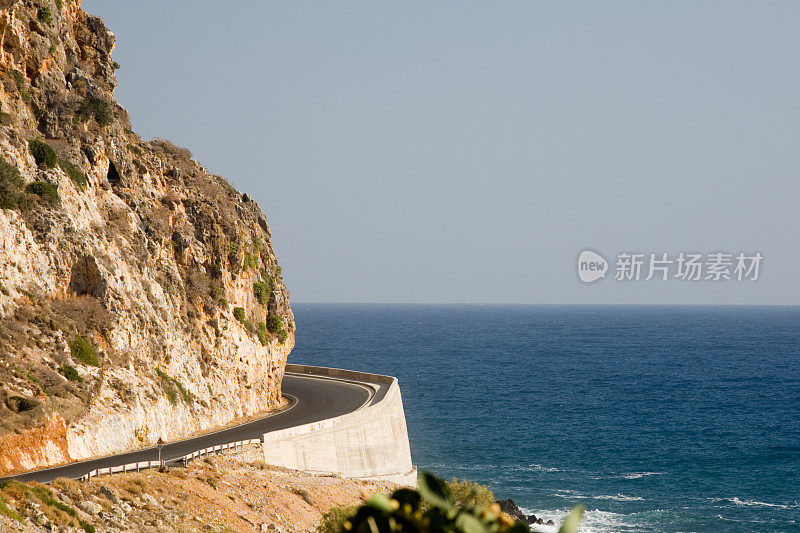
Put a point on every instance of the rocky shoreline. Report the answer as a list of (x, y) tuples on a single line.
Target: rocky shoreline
[(512, 509)]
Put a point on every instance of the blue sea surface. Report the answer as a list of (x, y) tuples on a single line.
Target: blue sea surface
[(655, 418)]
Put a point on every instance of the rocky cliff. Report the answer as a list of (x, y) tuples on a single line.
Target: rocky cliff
[(140, 296)]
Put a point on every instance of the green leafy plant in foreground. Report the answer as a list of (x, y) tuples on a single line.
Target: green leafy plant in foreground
[(429, 509)]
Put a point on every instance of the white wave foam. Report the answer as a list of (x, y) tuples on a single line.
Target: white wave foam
[(571, 494), (753, 503), (540, 468), (637, 475), (594, 521), (620, 498)]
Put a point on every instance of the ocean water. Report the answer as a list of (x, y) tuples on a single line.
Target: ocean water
[(655, 418)]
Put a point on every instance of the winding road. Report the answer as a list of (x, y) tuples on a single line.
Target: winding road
[(313, 399)]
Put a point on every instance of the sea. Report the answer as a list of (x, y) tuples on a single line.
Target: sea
[(655, 418)]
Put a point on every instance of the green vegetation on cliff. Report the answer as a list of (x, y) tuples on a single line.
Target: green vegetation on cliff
[(11, 184), (43, 154), (83, 351)]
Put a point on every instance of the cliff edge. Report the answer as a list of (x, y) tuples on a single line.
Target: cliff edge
[(140, 296)]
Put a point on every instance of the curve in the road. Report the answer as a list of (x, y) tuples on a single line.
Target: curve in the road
[(314, 399)]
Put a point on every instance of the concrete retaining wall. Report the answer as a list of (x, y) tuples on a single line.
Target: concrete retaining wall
[(371, 442)]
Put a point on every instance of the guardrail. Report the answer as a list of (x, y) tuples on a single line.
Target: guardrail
[(219, 449)]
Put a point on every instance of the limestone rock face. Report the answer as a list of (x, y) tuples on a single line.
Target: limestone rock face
[(140, 296)]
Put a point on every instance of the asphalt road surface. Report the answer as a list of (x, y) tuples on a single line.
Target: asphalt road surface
[(313, 398)]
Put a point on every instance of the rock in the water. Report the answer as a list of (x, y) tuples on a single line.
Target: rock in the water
[(511, 509)]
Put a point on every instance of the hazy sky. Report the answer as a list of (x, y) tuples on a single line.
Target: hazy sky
[(467, 152)]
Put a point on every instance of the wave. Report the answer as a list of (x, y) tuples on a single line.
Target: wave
[(753, 503), (619, 498), (594, 521), (574, 495), (629, 475), (597, 521), (540, 468), (638, 475)]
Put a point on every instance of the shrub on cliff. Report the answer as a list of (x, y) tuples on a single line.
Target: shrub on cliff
[(5, 118), (22, 86), (69, 372), (233, 252), (262, 290), (431, 508), (11, 184), (99, 108), (274, 323), (251, 256), (172, 387), (83, 351), (20, 403), (74, 173), (250, 260), (171, 148), (282, 336), (45, 15), (239, 314), (46, 191), (262, 334), (43, 154)]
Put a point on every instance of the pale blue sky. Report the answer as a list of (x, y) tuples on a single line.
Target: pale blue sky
[(467, 152)]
